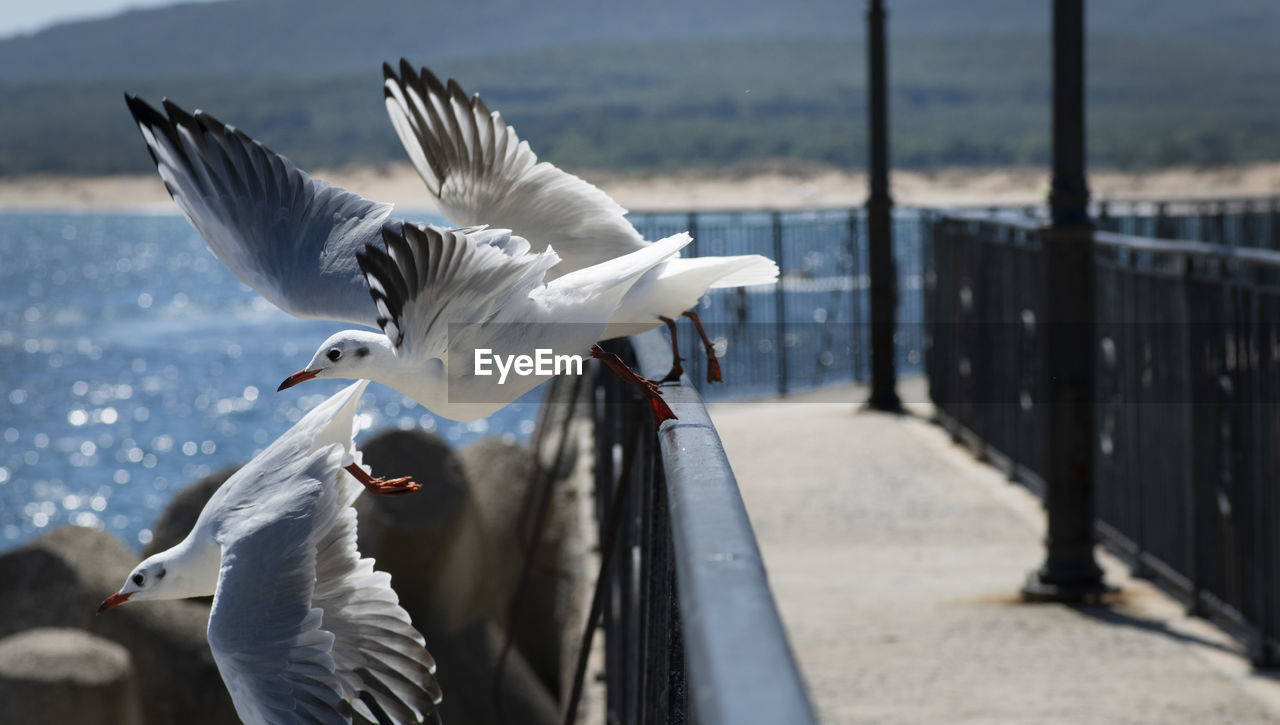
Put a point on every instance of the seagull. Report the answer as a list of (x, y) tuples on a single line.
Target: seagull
[(478, 170), (440, 297), (303, 630)]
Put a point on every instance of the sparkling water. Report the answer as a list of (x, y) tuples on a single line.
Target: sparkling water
[(132, 363)]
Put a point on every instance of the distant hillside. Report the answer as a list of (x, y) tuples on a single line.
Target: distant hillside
[(660, 84), (324, 37), (954, 102), (316, 38)]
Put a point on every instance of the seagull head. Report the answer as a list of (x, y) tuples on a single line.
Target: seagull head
[(186, 570), (148, 580), (353, 354)]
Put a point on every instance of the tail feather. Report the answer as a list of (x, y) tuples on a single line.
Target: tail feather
[(746, 271), (615, 277)]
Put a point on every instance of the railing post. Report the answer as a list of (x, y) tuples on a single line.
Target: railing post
[(1275, 222), (696, 363), (880, 223), (856, 348), (1070, 572), (780, 305)]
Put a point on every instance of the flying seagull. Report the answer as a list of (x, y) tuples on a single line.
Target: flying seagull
[(479, 171), (302, 629), (440, 296)]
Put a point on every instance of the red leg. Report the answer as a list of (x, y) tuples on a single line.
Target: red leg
[(661, 411), (381, 486), (676, 368), (713, 363)]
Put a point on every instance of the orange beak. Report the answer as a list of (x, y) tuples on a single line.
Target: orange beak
[(112, 602), (299, 377)]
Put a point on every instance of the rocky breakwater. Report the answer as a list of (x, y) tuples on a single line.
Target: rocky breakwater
[(455, 550)]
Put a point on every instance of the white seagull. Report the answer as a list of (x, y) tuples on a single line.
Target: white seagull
[(303, 630), (442, 297), (479, 171)]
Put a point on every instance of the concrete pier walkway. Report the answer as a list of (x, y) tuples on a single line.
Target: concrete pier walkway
[(896, 560)]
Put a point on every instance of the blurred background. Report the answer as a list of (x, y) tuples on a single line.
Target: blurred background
[(132, 364)]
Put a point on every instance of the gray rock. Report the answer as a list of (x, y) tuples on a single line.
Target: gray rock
[(468, 660), (431, 542), (60, 579), (501, 476), (54, 676), (177, 519)]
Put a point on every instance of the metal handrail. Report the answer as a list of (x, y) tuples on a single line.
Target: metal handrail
[(738, 660), (1187, 248), (690, 619)]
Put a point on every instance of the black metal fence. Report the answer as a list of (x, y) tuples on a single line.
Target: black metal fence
[(1186, 379), (811, 329), (692, 633), (1233, 222), (984, 355)]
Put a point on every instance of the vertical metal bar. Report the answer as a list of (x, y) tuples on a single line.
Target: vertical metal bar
[(884, 279), (856, 324), (697, 362), (1069, 572), (1162, 221), (1255, 423), (780, 305), (1275, 222), (691, 225)]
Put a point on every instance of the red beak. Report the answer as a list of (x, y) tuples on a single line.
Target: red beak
[(298, 377), (112, 602)]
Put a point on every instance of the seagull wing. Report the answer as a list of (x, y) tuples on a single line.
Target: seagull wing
[(480, 172), (267, 637), (377, 652), (426, 279), (290, 237)]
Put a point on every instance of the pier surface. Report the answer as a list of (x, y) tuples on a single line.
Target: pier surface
[(896, 559)]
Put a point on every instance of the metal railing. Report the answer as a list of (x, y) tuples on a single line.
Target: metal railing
[(984, 356), (1186, 378), (692, 633), (1244, 222), (811, 329)]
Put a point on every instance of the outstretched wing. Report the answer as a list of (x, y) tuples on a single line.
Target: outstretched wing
[(290, 237), (426, 279), (481, 172), (267, 638), (377, 652)]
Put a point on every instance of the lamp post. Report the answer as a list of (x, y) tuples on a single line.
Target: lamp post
[(1069, 572), (880, 223)]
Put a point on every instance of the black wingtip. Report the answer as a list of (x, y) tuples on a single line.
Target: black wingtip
[(390, 235), (143, 113), (388, 73), (454, 89)]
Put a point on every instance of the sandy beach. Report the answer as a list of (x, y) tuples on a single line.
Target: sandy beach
[(767, 185)]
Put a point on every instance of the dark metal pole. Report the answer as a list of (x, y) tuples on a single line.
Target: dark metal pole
[(884, 277), (1070, 572), (780, 304)]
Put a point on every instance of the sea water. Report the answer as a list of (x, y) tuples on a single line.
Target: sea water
[(132, 363)]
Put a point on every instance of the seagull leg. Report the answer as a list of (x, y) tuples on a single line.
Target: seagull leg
[(713, 363), (381, 486), (661, 411), (676, 368)]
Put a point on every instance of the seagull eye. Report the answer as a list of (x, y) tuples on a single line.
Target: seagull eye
[(334, 354), (137, 580)]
